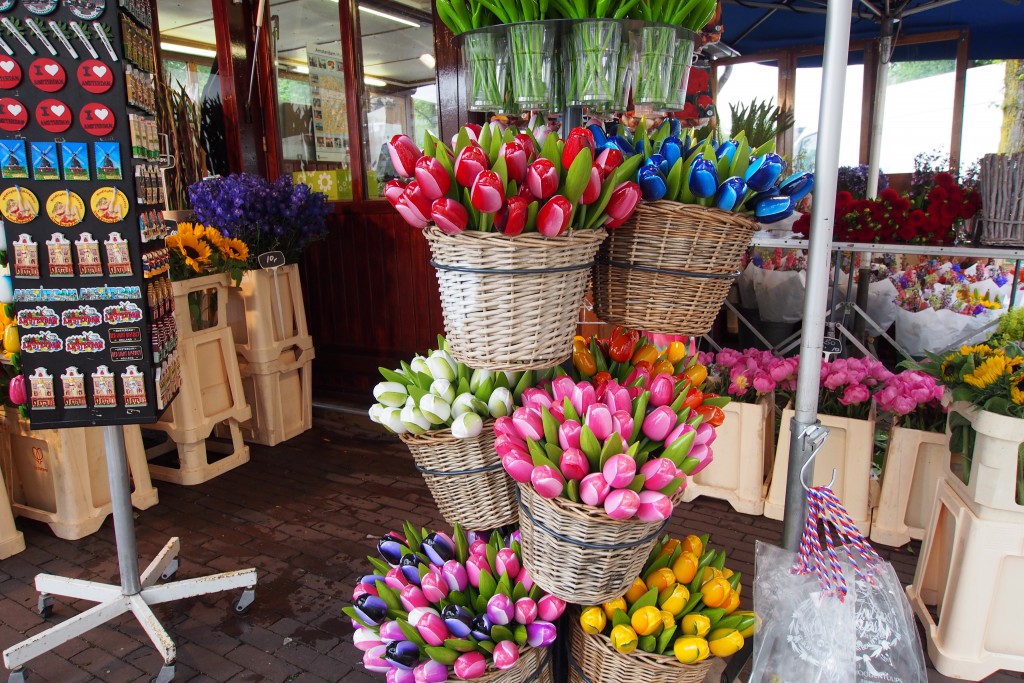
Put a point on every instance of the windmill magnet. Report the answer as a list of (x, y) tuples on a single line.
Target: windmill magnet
[(13, 164), (44, 161), (75, 160), (108, 160)]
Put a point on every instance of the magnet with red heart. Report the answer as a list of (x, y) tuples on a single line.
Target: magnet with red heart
[(95, 76), (53, 116), (96, 119), (47, 75), (10, 74), (13, 115)]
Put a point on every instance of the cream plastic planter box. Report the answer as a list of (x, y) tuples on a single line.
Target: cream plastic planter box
[(971, 571), (744, 447), (210, 295), (848, 450), (991, 488), (267, 315), (12, 541), (914, 463)]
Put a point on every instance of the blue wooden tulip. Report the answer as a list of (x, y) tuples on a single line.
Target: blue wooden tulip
[(727, 149), (623, 145), (774, 209), (658, 162), (599, 137), (764, 172), (672, 150), (754, 200), (703, 178), (639, 147), (730, 193), (797, 186), (652, 183), (674, 127)]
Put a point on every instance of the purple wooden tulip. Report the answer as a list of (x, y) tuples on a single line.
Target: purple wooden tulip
[(506, 444), (594, 489), (519, 466), (619, 470), (608, 160), (662, 390), (622, 422), (488, 192), (482, 627), (505, 655), (438, 547), (549, 608), (593, 190), (577, 140), (500, 609), (373, 659), (525, 579), (412, 597), (547, 481), (678, 432), (511, 219), (659, 422), (395, 578), (526, 611), (535, 398), (470, 665), (434, 587), (573, 464), (471, 162), (528, 423), (364, 639), (569, 434), (561, 388), (553, 218), (599, 419), (622, 503), (404, 155), (393, 189), (658, 473), (474, 566), (391, 630), (583, 396), (394, 675), (454, 575), (430, 672), (458, 620), (432, 177), (654, 507), (503, 425), (371, 609), (432, 629), (410, 566), (449, 215), (402, 654), (542, 179), (623, 201), (515, 160), (507, 562), (541, 633)]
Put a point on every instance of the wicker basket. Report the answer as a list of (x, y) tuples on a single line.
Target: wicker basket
[(512, 303), (669, 268), (592, 659), (466, 477), (1002, 206), (534, 666), (577, 552)]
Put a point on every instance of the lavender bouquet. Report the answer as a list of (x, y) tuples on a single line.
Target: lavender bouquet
[(268, 216)]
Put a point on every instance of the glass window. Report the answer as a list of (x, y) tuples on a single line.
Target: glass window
[(983, 112), (740, 84), (400, 81), (808, 108), (918, 112)]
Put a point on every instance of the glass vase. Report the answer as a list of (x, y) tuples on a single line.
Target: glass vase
[(655, 47), (680, 75), (593, 50), (485, 60), (531, 47)]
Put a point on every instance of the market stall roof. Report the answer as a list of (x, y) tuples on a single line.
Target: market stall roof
[(753, 26)]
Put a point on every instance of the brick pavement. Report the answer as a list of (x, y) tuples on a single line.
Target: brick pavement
[(304, 514)]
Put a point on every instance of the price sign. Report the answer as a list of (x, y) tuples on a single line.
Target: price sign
[(270, 259), (831, 345)]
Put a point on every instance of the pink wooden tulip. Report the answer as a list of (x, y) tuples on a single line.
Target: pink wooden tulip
[(363, 589), (434, 587), (623, 201), (478, 547), (432, 177), (391, 630), (615, 396), (547, 481), (511, 219), (505, 444), (393, 189), (373, 660), (535, 398), (488, 192), (528, 423), (455, 575), (593, 189), (640, 373), (558, 412), (505, 655), (622, 422), (549, 608), (654, 507), (500, 609), (396, 675), (608, 160), (702, 454), (619, 471), (622, 503), (503, 425), (561, 388), (658, 473), (583, 396), (569, 434), (594, 489), (515, 160), (474, 566), (404, 155), (525, 579), (395, 579), (412, 597), (553, 218), (507, 562), (542, 179), (433, 630), (470, 665), (449, 215), (417, 200), (526, 611), (471, 162), (527, 142), (599, 419), (519, 465), (428, 671), (409, 213), (659, 422), (679, 431), (364, 639), (577, 140), (662, 390), (574, 464), (705, 434)]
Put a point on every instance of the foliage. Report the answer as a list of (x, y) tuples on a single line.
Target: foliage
[(854, 179), (762, 121), (902, 72), (180, 120), (1010, 329)]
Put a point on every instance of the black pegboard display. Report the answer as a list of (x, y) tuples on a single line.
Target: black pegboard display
[(87, 256)]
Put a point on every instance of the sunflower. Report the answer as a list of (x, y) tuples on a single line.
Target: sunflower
[(984, 350), (195, 252), (988, 372), (234, 249), (212, 236), (1017, 389)]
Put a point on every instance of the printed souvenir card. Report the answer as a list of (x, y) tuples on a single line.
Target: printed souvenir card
[(75, 159), (108, 160), (103, 394), (13, 165), (41, 390), (134, 385), (118, 258), (88, 255), (44, 161)]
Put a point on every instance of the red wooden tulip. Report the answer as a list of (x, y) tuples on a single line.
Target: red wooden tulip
[(623, 201), (542, 179), (608, 160), (418, 200), (593, 190), (579, 138), (432, 178), (411, 215), (488, 192), (393, 189), (404, 154), (527, 142), (553, 217), (512, 218), (515, 160), (471, 162), (449, 215)]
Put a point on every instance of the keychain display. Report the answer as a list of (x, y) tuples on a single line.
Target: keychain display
[(10, 74), (15, 31), (40, 35), (61, 36)]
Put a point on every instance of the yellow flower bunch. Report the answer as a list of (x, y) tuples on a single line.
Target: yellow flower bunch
[(192, 246), (991, 378), (974, 299), (1017, 389), (200, 250)]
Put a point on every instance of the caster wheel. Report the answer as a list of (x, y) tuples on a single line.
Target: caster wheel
[(171, 570), (166, 674), (243, 604), (17, 676), (46, 606)]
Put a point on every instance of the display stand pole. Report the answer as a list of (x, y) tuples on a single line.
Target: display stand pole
[(136, 592)]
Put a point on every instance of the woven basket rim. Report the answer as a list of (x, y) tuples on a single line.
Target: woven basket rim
[(590, 513), (437, 436), (642, 658), (664, 206), (492, 672), (434, 233)]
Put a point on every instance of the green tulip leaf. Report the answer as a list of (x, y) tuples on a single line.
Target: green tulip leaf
[(442, 655), (578, 176), (460, 645)]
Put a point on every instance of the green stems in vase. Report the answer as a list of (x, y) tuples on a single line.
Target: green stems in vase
[(485, 59), (594, 49), (655, 47), (532, 53)]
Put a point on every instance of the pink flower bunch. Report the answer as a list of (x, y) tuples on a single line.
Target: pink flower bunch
[(848, 385), (748, 375), (915, 398), (627, 448)]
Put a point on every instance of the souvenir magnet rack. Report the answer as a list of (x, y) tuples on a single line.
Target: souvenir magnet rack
[(81, 203)]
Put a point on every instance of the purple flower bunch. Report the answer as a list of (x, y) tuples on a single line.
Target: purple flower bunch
[(267, 215), (775, 259), (915, 398), (854, 179), (748, 375)]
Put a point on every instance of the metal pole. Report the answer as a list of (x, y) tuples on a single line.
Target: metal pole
[(121, 504), (878, 115), (826, 170)]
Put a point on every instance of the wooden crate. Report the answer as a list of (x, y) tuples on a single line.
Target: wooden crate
[(281, 397), (211, 394), (59, 476), (201, 304), (265, 324)]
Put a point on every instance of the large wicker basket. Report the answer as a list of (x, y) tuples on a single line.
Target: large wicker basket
[(512, 303), (465, 477), (1002, 206), (534, 666), (669, 268), (592, 659), (577, 552)]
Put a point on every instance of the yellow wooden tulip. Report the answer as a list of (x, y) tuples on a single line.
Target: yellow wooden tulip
[(636, 591), (612, 605), (725, 641), (685, 567), (12, 342), (694, 545), (696, 625), (647, 621), (690, 649), (674, 598), (593, 620), (715, 592), (661, 579), (624, 639)]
